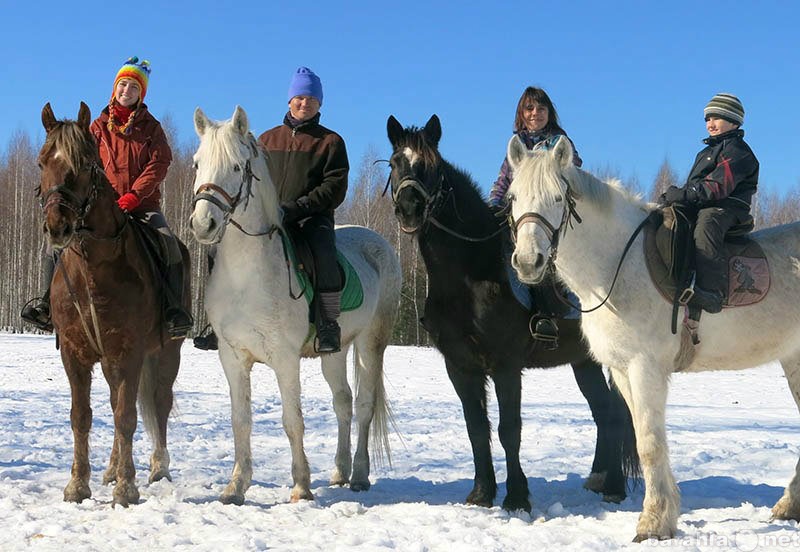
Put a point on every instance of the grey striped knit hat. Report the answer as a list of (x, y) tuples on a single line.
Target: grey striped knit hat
[(725, 106)]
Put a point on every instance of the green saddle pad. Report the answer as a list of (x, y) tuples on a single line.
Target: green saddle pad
[(352, 293)]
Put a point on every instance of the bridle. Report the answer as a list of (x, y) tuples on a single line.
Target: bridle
[(227, 203), (433, 204), (554, 235)]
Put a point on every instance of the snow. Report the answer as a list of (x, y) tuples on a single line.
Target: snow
[(732, 435)]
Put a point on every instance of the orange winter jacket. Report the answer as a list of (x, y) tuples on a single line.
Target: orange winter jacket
[(136, 162)]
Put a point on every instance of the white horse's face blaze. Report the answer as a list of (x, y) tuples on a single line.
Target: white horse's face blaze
[(218, 172), (534, 241)]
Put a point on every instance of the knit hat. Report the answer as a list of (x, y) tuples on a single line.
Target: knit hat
[(725, 106), (135, 70), (305, 83)]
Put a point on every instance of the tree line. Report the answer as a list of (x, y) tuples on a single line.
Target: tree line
[(22, 239)]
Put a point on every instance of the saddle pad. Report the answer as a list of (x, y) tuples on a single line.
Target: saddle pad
[(352, 292), (748, 270)]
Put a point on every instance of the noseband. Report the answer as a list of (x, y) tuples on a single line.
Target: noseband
[(61, 195), (553, 232), (207, 192)]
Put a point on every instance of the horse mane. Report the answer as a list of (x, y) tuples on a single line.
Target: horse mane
[(542, 176), (222, 143), (72, 144)]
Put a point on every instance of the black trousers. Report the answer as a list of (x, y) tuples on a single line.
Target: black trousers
[(319, 232), (709, 234)]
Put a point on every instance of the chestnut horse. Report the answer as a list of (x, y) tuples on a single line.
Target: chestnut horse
[(105, 307)]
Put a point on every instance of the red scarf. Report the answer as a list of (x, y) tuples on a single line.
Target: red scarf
[(120, 117)]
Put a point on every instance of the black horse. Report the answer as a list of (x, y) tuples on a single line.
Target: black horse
[(482, 331)]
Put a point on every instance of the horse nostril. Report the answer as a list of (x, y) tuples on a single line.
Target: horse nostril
[(539, 261)]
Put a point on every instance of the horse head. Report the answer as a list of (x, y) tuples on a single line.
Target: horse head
[(224, 173), (68, 160), (542, 204), (416, 176)]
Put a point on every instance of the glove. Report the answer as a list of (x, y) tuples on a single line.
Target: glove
[(295, 210), (673, 195), (128, 202)]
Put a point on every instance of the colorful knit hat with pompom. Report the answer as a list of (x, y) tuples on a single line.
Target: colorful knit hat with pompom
[(135, 70)]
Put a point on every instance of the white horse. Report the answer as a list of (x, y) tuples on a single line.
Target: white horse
[(249, 305), (590, 222)]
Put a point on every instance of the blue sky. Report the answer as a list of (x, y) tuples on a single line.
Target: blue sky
[(629, 79)]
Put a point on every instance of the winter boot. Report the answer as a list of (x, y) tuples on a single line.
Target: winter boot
[(207, 342), (179, 320), (329, 335)]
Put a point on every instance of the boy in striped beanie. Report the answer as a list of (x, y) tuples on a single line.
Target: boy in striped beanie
[(720, 187)]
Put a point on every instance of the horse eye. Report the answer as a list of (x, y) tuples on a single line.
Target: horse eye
[(236, 168), (510, 198), (559, 199)]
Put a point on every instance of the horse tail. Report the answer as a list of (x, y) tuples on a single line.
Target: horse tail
[(631, 468), (382, 417), (148, 380)]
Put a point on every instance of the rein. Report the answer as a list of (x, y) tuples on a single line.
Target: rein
[(433, 204), (554, 234)]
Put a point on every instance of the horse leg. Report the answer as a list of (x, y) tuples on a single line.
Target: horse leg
[(155, 401), (645, 390), (80, 382), (110, 475), (124, 376), (788, 507), (288, 375), (470, 386), (334, 368), (606, 476), (508, 388), (237, 372)]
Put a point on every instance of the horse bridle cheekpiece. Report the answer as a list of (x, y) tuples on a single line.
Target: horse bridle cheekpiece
[(62, 195), (553, 232), (208, 191)]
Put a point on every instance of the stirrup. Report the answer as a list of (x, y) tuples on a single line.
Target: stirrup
[(545, 330), (37, 315), (178, 328)]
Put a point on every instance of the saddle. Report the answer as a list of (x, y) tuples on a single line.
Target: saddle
[(299, 256), (669, 255)]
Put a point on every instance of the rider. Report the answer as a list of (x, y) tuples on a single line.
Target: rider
[(536, 122), (308, 165), (135, 156), (720, 186)]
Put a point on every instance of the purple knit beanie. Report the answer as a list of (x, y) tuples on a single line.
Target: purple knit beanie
[(305, 83)]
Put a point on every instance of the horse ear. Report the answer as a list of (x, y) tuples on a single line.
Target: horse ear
[(563, 152), (201, 122), (84, 116), (433, 129), (240, 122), (394, 130), (516, 152), (48, 117)]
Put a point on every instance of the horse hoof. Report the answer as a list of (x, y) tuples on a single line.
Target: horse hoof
[(647, 536), (125, 494), (614, 497), (77, 492), (513, 505), (159, 475), (783, 510), (595, 482), (297, 496), (479, 497), (358, 486), (232, 499)]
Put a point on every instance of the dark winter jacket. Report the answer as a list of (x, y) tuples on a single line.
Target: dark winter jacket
[(307, 160), (137, 161), (497, 197), (724, 174)]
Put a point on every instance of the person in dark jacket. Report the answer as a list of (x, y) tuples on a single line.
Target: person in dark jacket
[(720, 186), (309, 167), (536, 124), (135, 156)]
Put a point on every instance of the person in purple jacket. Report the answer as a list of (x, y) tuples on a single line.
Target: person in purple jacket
[(536, 123)]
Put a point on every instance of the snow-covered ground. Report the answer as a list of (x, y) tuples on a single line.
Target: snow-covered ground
[(733, 442)]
